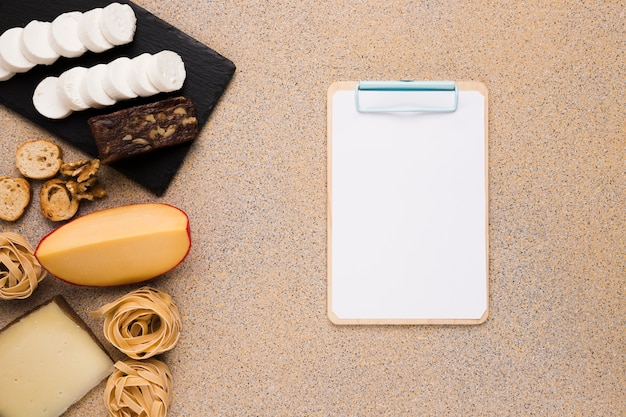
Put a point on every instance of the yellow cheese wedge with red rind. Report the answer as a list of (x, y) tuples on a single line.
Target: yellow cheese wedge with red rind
[(117, 246)]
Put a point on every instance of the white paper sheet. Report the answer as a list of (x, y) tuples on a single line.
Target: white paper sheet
[(408, 203)]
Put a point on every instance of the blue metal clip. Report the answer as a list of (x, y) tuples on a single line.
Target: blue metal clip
[(407, 86)]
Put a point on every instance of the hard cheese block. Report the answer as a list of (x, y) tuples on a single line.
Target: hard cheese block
[(49, 360)]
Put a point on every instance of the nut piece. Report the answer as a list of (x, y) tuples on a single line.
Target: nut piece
[(81, 170), (60, 199), (14, 198), (87, 190), (57, 202), (38, 159)]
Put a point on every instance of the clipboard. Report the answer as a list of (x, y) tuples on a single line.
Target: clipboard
[(407, 202)]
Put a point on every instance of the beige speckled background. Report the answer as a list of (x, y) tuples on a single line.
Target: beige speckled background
[(257, 341)]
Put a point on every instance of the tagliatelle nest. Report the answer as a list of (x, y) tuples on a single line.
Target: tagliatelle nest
[(20, 271), (139, 389), (142, 324)]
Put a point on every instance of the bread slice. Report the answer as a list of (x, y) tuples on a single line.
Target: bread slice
[(14, 198), (38, 159), (57, 202)]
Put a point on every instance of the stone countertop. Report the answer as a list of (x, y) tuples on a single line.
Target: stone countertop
[(256, 338)]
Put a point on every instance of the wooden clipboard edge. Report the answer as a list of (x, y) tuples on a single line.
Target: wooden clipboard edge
[(351, 85)]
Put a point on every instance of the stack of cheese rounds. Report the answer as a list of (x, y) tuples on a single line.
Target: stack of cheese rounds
[(102, 85), (69, 35)]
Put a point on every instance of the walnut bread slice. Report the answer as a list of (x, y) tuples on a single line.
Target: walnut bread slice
[(14, 198), (57, 202), (38, 159)]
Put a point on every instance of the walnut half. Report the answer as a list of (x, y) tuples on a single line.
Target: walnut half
[(81, 170)]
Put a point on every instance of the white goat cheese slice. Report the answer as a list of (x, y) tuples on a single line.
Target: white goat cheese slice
[(138, 78), (68, 88), (64, 35), (91, 90), (11, 56), (47, 101), (166, 70), (5, 74), (89, 31), (116, 81), (35, 43), (118, 23)]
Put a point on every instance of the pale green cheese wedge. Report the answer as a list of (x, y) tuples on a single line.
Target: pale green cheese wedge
[(49, 360)]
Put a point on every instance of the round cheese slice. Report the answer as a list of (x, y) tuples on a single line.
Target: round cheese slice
[(64, 35), (166, 71), (11, 56), (89, 31), (116, 81), (138, 78), (47, 101), (35, 43), (91, 90), (118, 23), (68, 88), (5, 74)]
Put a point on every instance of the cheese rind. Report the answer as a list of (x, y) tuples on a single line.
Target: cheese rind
[(49, 359)]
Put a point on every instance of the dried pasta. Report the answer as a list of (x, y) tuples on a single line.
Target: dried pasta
[(20, 271), (139, 388), (142, 323)]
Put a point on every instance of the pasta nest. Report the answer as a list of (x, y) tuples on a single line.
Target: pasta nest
[(142, 323), (20, 271), (139, 389)]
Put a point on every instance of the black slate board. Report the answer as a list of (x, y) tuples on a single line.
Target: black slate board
[(208, 75)]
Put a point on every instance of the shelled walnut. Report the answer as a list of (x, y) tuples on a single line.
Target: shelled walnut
[(87, 190), (60, 198), (81, 170)]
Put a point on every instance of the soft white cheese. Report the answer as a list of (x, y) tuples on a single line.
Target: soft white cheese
[(90, 33), (68, 88), (64, 35), (47, 363), (118, 23), (116, 81), (166, 70), (46, 100), (35, 43), (5, 74), (138, 78), (81, 88), (91, 90), (11, 56)]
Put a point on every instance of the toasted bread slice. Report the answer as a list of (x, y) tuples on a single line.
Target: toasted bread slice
[(57, 202), (38, 159), (14, 198)]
